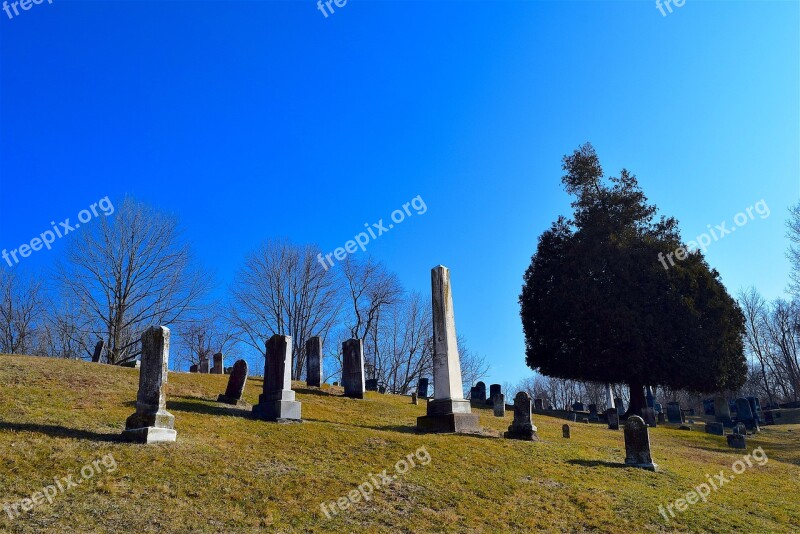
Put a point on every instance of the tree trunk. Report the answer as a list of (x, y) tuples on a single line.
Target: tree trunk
[(638, 401)]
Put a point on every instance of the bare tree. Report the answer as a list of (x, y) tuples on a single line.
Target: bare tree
[(204, 334), (793, 233), (22, 308), (283, 289), (129, 272), (473, 365)]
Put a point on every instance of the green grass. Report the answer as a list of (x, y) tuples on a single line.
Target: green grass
[(230, 473)]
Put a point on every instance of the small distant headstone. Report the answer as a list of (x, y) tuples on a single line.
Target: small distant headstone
[(414, 398), (637, 444), (620, 405), (314, 362), (674, 413), (565, 431), (522, 427), (737, 441), (422, 388), (613, 419), (494, 389), (740, 428), (649, 416), (219, 364), (593, 417), (585, 420), (499, 405), (578, 407), (371, 384), (745, 415), (152, 423), (236, 383), (538, 404), (478, 393), (204, 366), (722, 411), (98, 351), (718, 429), (353, 368), (277, 400), (193, 368), (661, 418)]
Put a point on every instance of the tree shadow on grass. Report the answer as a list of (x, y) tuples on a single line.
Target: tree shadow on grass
[(596, 463), (197, 407), (315, 391), (62, 432)]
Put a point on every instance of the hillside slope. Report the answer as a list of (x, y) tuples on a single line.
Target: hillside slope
[(230, 473)]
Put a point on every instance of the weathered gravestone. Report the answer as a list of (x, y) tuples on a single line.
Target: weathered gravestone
[(755, 409), (565, 431), (193, 368), (414, 398), (236, 383), (219, 364), (613, 419), (422, 388), (494, 389), (277, 401), (650, 397), (152, 423), (499, 405), (737, 441), (522, 427), (314, 362), (578, 407), (620, 405), (448, 411), (661, 418), (722, 411), (371, 384), (745, 415), (718, 429), (674, 413), (478, 393), (98, 351), (593, 417), (204, 365), (353, 369), (649, 416), (637, 444), (538, 404)]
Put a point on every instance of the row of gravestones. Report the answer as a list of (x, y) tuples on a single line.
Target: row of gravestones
[(203, 367)]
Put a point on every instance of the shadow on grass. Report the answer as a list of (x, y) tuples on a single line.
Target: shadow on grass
[(197, 407), (315, 391), (62, 432), (596, 463)]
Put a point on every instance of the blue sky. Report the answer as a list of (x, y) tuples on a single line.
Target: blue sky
[(252, 120)]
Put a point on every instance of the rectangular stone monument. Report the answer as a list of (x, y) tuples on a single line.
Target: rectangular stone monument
[(371, 384), (193, 368), (448, 411), (219, 364), (204, 368), (522, 427), (737, 441), (674, 413), (718, 429), (422, 388), (478, 393), (637, 444), (314, 362), (277, 401), (152, 423), (722, 411), (538, 404), (353, 369), (649, 416), (98, 351), (745, 415), (236, 383), (494, 389), (499, 405), (613, 419), (414, 398)]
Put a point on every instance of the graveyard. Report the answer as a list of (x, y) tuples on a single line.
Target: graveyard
[(229, 472)]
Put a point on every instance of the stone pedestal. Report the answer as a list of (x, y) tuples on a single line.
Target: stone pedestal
[(277, 402), (152, 423)]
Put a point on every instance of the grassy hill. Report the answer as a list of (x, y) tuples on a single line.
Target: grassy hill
[(230, 473)]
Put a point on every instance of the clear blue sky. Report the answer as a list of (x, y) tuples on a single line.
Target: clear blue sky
[(257, 119)]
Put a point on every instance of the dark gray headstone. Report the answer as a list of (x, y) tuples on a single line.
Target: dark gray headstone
[(204, 365), (722, 411), (538, 404), (277, 400), (593, 417), (613, 419), (478, 393), (353, 368), (152, 422), (499, 405), (578, 407), (236, 383), (649, 416), (565, 431), (522, 427), (494, 389), (637, 444), (371, 384), (737, 441), (422, 388), (314, 362), (193, 368), (219, 364), (745, 415), (98, 351), (674, 414), (718, 429)]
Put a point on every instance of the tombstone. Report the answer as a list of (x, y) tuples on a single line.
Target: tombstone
[(478, 393), (613, 418), (651, 399), (565, 431), (593, 417), (314, 362), (236, 383), (708, 406), (371, 384), (718, 429), (381, 389), (722, 411), (422, 388), (494, 389), (661, 417), (737, 441), (619, 404), (538, 404), (414, 398), (353, 369), (649, 416), (448, 411), (152, 423), (193, 368), (522, 427), (637, 444), (203, 368), (219, 364), (740, 428), (499, 401), (578, 407), (755, 408), (277, 401), (745, 415), (674, 414), (98, 351)]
